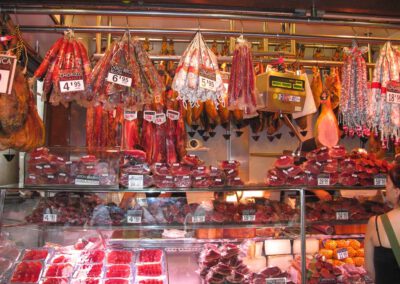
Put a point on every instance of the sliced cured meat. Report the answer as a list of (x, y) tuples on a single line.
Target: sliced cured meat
[(231, 173), (237, 181), (178, 169), (331, 166), (272, 180), (312, 167), (164, 181), (284, 162), (160, 169), (277, 172), (228, 165), (348, 179), (201, 182), (191, 160), (292, 171), (200, 171), (300, 179), (183, 181), (337, 152)]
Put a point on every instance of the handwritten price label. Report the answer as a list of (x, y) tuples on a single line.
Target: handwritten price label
[(160, 119), (393, 98), (207, 80), (130, 115), (199, 219), (149, 115), (135, 181), (49, 218), (342, 215)]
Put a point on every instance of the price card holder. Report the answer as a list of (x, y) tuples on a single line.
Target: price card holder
[(134, 216), (149, 115), (380, 180), (324, 180), (342, 253), (49, 216), (87, 180), (198, 219), (7, 73), (120, 75), (160, 118), (280, 280), (71, 81), (173, 115), (248, 215), (342, 215), (207, 80), (135, 181), (130, 115)]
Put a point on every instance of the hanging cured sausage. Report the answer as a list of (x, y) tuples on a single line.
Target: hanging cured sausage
[(316, 86), (354, 95), (384, 111), (242, 90), (197, 78)]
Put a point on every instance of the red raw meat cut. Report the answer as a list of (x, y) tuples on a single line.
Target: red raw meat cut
[(232, 173), (348, 179), (150, 281), (228, 165), (95, 256), (337, 152), (118, 270), (237, 181), (284, 162), (201, 171), (89, 270), (180, 169), (149, 269), (119, 257), (331, 166), (86, 281), (348, 166), (150, 255), (139, 169), (164, 181), (160, 169), (273, 180), (130, 134), (116, 281), (201, 182), (27, 272), (300, 179), (312, 180), (183, 181), (59, 270), (215, 172), (217, 181), (35, 255), (322, 154), (292, 171), (52, 280), (312, 167), (277, 172), (191, 160)]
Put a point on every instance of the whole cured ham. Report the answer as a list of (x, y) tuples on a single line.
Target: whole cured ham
[(197, 78), (242, 89), (333, 84), (384, 111), (125, 76), (316, 86), (326, 129), (65, 71), (354, 98)]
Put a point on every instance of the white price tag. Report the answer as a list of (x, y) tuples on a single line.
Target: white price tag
[(342, 253), (248, 218), (149, 115), (280, 280), (7, 72), (198, 219), (173, 115), (71, 86), (135, 181), (87, 180), (39, 87), (393, 98), (342, 215), (379, 180), (323, 180), (160, 118), (207, 80), (120, 75), (119, 79), (134, 216), (130, 115), (49, 218)]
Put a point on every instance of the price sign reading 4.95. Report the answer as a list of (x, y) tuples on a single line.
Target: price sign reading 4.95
[(207, 80), (71, 81), (49, 218), (120, 75), (134, 217)]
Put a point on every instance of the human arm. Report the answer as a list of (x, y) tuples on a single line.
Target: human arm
[(369, 247)]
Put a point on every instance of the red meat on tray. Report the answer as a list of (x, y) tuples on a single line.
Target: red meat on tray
[(348, 179), (191, 160), (229, 164), (331, 166), (149, 269), (35, 254), (160, 169), (138, 155), (151, 255), (337, 152), (59, 270), (116, 281), (284, 162), (164, 181), (183, 181), (119, 257), (27, 272), (86, 281), (178, 169), (300, 179), (89, 271), (150, 281), (200, 171), (237, 181), (53, 280), (272, 180), (312, 167), (201, 182), (292, 171), (95, 256), (118, 271)]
